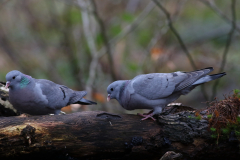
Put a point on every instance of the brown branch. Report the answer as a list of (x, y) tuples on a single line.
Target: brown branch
[(9, 50), (91, 44), (211, 5), (33, 21), (105, 39), (183, 46), (228, 43), (101, 135), (176, 34)]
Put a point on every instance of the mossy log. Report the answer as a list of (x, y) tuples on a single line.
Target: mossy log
[(6, 108), (100, 135)]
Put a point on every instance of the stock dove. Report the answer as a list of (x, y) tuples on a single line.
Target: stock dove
[(155, 90), (40, 96)]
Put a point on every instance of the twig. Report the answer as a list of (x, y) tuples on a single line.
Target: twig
[(176, 33), (211, 5), (161, 31), (92, 47), (102, 51), (76, 3), (183, 46), (130, 28), (180, 5), (5, 45), (105, 38), (228, 43)]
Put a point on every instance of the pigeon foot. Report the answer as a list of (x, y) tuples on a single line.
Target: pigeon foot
[(146, 116)]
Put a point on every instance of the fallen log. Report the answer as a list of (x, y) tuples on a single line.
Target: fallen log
[(178, 133), (101, 135), (6, 108)]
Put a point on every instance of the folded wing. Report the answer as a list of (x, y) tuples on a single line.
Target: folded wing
[(160, 85)]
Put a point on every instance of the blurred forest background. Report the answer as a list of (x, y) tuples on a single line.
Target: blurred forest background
[(86, 45)]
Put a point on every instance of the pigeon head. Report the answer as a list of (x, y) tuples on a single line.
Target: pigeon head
[(17, 79), (113, 90)]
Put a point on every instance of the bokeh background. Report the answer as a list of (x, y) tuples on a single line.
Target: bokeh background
[(86, 45)]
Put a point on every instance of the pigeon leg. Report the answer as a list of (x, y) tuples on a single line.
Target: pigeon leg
[(147, 116)]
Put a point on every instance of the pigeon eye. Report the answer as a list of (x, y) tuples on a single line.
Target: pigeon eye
[(13, 77), (111, 89)]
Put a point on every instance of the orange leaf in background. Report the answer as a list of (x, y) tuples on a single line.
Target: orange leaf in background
[(230, 121), (197, 114), (99, 97), (156, 53), (216, 113)]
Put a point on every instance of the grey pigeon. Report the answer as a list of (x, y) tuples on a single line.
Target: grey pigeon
[(40, 96), (156, 90)]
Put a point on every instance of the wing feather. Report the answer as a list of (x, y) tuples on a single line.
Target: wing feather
[(56, 94), (154, 85), (160, 85)]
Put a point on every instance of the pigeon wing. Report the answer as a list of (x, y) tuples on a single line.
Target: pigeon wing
[(154, 85), (186, 79), (57, 98), (160, 85)]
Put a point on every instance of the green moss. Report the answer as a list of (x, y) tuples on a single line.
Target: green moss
[(236, 93), (213, 129), (225, 131), (127, 17), (209, 116), (222, 132), (198, 117), (237, 133), (214, 136), (238, 119), (193, 117)]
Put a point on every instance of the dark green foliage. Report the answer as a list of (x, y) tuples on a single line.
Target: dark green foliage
[(236, 93), (213, 129), (198, 117), (209, 116), (127, 17), (115, 30)]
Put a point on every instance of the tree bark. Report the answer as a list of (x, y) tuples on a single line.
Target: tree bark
[(101, 135), (6, 108)]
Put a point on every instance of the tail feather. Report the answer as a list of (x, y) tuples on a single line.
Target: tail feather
[(208, 78), (85, 102), (206, 70)]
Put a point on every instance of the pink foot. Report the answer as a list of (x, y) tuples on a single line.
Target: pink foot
[(146, 116)]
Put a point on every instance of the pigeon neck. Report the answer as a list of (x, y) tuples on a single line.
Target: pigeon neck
[(25, 81), (122, 88)]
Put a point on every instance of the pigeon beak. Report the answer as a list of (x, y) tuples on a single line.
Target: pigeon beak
[(7, 84), (108, 97)]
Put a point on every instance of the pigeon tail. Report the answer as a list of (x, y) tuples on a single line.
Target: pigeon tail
[(208, 78), (206, 70), (85, 102), (76, 96)]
